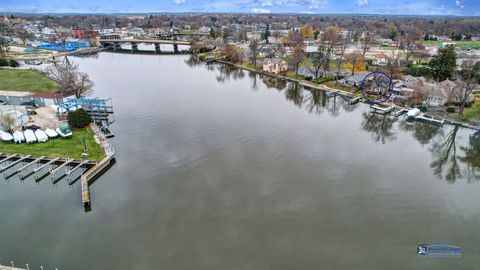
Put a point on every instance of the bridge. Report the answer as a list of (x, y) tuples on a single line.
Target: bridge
[(116, 43)]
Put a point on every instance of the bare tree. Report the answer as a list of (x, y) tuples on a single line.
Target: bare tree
[(72, 82), (340, 57), (393, 64), (254, 47), (297, 57), (366, 44), (469, 80), (3, 47), (195, 45)]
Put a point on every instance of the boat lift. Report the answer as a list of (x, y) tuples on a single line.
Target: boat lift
[(98, 109)]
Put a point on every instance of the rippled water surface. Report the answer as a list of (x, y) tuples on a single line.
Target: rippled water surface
[(221, 169)]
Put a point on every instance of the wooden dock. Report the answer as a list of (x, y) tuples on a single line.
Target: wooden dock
[(91, 174)]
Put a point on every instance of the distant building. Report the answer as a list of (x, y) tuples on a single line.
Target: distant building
[(274, 65), (84, 33), (381, 59)]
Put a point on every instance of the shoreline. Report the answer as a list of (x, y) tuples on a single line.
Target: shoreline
[(326, 88)]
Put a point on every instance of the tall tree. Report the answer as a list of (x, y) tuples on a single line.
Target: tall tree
[(3, 47), (366, 44), (266, 34), (320, 60), (340, 57), (469, 80), (254, 47), (444, 63), (297, 57)]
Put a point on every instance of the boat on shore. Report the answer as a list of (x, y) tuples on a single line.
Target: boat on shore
[(30, 136), (41, 135), (5, 136), (18, 137)]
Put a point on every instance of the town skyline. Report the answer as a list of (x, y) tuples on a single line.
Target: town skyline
[(318, 7)]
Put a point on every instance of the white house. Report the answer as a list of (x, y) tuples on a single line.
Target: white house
[(274, 65), (381, 59)]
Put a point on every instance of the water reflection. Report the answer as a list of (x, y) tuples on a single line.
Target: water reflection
[(472, 157), (227, 72), (273, 83), (294, 93), (380, 127), (421, 132), (445, 158), (449, 161)]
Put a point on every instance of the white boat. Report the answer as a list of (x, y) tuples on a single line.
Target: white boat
[(29, 136), (64, 131), (5, 136), (51, 133), (18, 137), (41, 135), (413, 113)]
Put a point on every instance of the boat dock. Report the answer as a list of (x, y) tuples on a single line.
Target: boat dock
[(381, 110), (430, 119), (58, 168), (354, 100)]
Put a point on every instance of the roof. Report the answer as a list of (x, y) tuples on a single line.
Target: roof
[(274, 60)]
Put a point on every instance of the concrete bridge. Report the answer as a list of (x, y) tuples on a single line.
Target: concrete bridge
[(116, 43)]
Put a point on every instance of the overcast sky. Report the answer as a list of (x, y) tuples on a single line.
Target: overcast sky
[(405, 7)]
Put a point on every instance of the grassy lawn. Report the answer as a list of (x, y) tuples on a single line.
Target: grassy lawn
[(249, 65), (472, 44), (470, 114), (59, 147), (26, 81)]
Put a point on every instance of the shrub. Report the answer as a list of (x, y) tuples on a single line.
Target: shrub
[(418, 71), (423, 108), (324, 79), (450, 110), (14, 63), (4, 63), (308, 78), (79, 118)]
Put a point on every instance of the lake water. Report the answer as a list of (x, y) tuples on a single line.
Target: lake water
[(220, 169)]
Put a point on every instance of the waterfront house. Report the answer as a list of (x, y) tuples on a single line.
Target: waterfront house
[(274, 65), (353, 81), (381, 59)]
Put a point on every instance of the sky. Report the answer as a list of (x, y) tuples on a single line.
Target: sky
[(401, 7)]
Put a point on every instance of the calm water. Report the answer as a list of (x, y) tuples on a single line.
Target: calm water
[(219, 169)]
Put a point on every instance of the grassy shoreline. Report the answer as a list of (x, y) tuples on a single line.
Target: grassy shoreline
[(59, 147), (25, 80)]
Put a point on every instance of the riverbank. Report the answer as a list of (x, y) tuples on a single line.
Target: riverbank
[(323, 87)]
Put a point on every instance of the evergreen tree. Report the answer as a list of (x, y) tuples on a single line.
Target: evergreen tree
[(444, 63)]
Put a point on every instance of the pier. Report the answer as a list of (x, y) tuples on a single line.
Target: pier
[(88, 177)]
